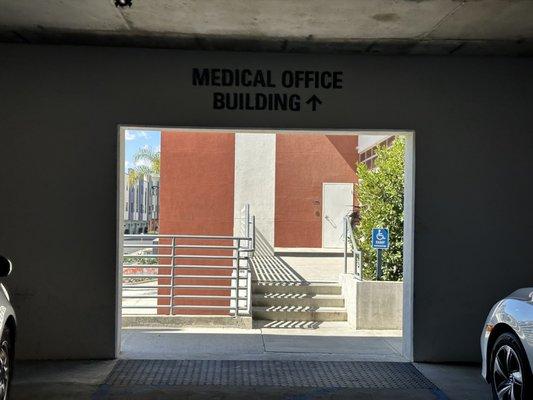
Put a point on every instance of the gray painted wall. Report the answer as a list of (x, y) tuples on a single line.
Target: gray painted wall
[(59, 110)]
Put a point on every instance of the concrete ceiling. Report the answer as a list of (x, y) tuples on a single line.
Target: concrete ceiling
[(473, 27)]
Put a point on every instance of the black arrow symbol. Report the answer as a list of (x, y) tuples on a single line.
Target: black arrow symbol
[(314, 100)]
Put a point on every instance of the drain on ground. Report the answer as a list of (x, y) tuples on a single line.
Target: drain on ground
[(334, 374)]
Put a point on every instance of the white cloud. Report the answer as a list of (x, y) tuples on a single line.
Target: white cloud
[(145, 163), (130, 135), (135, 134), (127, 164)]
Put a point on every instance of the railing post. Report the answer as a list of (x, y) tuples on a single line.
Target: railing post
[(345, 225), (247, 220), (358, 265), (172, 263), (253, 232), (355, 258), (248, 290), (237, 278)]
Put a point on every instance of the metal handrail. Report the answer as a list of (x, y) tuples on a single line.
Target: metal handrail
[(357, 256), (251, 224), (239, 293), (207, 237)]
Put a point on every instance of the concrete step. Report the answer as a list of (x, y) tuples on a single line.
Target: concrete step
[(303, 313), (327, 328), (298, 299), (297, 287), (307, 252)]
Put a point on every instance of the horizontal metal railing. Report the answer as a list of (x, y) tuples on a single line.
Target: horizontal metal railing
[(349, 241), (166, 273), (207, 237)]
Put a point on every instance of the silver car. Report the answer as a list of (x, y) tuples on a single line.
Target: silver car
[(507, 346), (8, 322)]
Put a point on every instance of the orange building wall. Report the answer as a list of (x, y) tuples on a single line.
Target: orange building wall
[(196, 197), (197, 178), (303, 163)]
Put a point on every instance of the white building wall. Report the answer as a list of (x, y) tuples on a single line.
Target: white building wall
[(144, 199), (255, 181), (154, 197), (126, 198), (367, 141), (136, 202)]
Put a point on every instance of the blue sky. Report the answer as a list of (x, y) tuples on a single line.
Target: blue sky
[(138, 139)]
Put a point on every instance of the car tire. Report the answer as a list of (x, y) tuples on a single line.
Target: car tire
[(6, 363), (509, 368)]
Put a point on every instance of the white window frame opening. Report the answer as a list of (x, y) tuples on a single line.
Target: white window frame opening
[(409, 208)]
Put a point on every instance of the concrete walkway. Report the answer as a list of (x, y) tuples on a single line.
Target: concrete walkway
[(142, 303), (334, 341), (295, 265), (273, 268)]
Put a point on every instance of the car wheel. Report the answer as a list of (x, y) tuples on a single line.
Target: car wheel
[(511, 377), (5, 363)]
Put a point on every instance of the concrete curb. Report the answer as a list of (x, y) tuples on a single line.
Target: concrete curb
[(175, 321)]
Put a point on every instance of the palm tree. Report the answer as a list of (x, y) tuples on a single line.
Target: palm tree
[(148, 162)]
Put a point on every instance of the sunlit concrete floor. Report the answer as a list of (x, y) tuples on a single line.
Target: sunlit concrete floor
[(334, 341), (271, 268)]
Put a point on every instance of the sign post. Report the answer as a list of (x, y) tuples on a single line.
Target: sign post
[(380, 242), (378, 265)]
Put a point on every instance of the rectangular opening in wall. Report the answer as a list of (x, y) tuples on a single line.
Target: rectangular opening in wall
[(248, 243)]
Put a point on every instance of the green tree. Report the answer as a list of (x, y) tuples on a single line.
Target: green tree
[(381, 192), (148, 162)]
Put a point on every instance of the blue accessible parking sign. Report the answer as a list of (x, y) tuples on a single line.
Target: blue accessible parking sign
[(380, 238)]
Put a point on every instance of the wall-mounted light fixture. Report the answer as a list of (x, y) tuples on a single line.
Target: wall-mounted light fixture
[(123, 3)]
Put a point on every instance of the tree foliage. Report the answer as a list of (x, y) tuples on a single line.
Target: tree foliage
[(381, 192), (147, 162)]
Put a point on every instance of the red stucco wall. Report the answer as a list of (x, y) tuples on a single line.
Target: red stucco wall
[(196, 197), (303, 163)]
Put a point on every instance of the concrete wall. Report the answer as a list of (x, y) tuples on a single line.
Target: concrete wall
[(372, 304), (255, 179), (59, 111), (303, 164)]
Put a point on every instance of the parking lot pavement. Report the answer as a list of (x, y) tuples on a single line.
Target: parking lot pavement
[(85, 392), (87, 380), (61, 380), (459, 382)]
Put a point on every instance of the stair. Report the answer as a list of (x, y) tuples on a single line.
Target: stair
[(290, 301), (292, 287), (297, 299)]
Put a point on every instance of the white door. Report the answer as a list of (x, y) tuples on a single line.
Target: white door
[(337, 202)]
